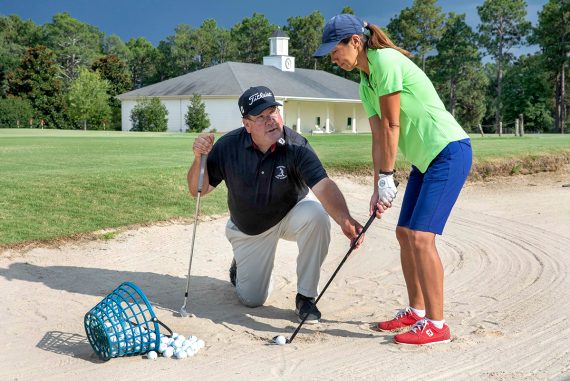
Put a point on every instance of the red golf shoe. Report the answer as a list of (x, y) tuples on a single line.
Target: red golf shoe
[(404, 318), (424, 332)]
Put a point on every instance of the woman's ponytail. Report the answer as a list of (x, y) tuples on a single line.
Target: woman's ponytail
[(379, 40)]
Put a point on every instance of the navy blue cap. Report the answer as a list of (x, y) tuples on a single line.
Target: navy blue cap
[(256, 99), (337, 29)]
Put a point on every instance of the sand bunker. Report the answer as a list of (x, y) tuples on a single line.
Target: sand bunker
[(506, 253)]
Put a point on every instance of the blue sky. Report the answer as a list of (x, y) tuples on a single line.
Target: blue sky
[(155, 20)]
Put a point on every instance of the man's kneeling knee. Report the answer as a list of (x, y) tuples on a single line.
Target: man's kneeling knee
[(252, 300)]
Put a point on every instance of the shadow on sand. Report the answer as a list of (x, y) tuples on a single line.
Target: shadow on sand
[(209, 298)]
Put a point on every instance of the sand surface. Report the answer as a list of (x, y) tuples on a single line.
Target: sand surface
[(506, 253)]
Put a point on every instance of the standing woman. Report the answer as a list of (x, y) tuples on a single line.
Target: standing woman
[(405, 112)]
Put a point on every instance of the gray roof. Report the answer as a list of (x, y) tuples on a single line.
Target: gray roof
[(233, 78), (279, 33)]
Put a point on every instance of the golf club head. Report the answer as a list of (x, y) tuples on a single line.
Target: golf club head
[(184, 313)]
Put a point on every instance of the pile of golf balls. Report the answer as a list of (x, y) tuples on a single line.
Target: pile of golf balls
[(177, 346), (130, 338)]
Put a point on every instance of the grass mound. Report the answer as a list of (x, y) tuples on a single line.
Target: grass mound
[(489, 169)]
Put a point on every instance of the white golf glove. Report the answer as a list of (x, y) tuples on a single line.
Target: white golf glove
[(387, 188)]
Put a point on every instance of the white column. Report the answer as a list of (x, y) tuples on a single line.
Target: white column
[(181, 117), (298, 118), (327, 123), (282, 109), (126, 109), (354, 119)]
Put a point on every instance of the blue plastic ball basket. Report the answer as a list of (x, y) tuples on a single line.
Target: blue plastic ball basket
[(123, 324)]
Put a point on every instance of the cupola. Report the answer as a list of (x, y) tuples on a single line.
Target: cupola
[(279, 52)]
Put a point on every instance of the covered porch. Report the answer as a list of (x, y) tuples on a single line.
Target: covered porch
[(324, 116)]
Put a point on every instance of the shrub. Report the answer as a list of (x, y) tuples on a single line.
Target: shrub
[(15, 109), (149, 114)]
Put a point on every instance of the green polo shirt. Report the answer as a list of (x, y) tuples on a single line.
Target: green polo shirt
[(426, 127)]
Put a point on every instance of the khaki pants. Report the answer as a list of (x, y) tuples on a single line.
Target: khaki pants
[(308, 224)]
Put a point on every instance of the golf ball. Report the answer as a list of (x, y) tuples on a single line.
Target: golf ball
[(151, 355), (168, 352), (180, 354), (177, 343), (279, 340)]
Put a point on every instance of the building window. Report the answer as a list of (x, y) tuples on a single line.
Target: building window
[(349, 123), (318, 121)]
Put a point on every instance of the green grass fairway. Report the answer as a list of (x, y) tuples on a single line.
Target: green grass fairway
[(354, 151), (59, 183)]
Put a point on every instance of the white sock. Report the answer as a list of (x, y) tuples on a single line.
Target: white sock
[(438, 323), (420, 313)]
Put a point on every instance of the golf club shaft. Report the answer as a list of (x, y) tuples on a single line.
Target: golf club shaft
[(352, 246), (200, 184)]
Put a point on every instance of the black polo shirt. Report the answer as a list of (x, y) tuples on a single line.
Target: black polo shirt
[(263, 188)]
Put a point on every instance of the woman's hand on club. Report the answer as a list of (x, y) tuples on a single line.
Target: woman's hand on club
[(377, 205), (387, 188)]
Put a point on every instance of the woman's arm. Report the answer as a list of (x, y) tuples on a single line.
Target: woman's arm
[(385, 134), (389, 131)]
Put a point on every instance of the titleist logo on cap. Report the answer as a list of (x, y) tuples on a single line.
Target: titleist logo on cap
[(256, 99), (258, 96)]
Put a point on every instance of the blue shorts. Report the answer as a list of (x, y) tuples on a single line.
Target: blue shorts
[(430, 196)]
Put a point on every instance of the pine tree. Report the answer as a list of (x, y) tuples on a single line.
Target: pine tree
[(503, 26), (196, 118), (37, 80)]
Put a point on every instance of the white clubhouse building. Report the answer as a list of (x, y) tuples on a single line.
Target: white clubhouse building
[(314, 101)]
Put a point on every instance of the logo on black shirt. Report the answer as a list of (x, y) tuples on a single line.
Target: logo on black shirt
[(281, 172)]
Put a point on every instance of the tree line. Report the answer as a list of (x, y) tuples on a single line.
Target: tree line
[(66, 73)]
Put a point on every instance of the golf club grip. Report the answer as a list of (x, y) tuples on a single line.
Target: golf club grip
[(367, 225), (352, 246), (202, 168)]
